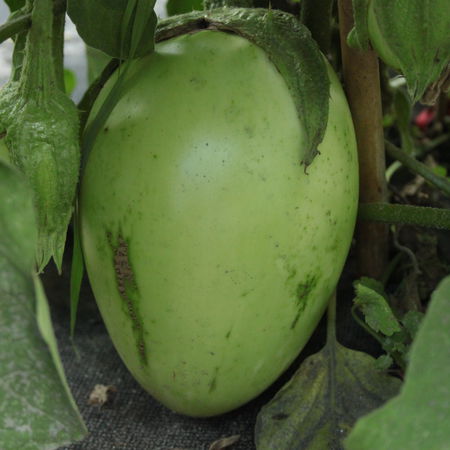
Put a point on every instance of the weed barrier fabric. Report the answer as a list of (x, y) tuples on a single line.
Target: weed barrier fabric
[(132, 419)]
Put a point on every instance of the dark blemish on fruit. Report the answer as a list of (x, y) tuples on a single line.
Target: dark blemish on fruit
[(128, 291)]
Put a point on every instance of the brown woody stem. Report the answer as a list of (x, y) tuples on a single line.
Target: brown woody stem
[(362, 86)]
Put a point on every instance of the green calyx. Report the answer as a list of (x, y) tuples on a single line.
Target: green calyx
[(289, 46), (41, 134)]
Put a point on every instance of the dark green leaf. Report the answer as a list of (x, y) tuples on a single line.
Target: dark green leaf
[(97, 61), (412, 36), (411, 321), (100, 23), (359, 35), (76, 273), (175, 7), (383, 363), (319, 405), (418, 418), (377, 312), (14, 5), (36, 408)]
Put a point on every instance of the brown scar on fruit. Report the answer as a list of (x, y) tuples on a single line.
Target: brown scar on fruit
[(128, 290)]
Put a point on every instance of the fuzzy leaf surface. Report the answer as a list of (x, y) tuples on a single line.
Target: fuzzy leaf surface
[(377, 312), (37, 410), (419, 417), (412, 36), (41, 126), (319, 405)]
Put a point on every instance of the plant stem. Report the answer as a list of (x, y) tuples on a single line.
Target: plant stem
[(316, 15), (362, 85), (21, 23), (15, 26), (363, 324), (331, 319), (38, 71), (59, 20), (438, 181), (421, 216)]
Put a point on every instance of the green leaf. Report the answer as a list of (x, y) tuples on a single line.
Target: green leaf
[(383, 363), (100, 22), (14, 5), (70, 81), (174, 7), (290, 47), (76, 272), (319, 405), (359, 35), (411, 321), (36, 408), (96, 61), (372, 302), (412, 36), (418, 418)]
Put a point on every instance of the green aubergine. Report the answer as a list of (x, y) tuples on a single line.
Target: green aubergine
[(211, 251)]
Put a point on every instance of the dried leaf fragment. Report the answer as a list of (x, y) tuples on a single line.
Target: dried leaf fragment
[(224, 442), (101, 394)]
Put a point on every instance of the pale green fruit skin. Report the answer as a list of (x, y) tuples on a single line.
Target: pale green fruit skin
[(234, 249)]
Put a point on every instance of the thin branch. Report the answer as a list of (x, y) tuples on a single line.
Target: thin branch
[(438, 181), (421, 216), (15, 26), (21, 23)]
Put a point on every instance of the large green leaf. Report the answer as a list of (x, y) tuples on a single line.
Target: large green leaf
[(111, 25), (174, 7), (15, 4), (419, 418), (316, 409), (37, 410), (414, 37)]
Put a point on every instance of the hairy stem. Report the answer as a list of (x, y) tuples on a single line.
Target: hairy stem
[(21, 23), (15, 26), (362, 85), (421, 216), (38, 72), (58, 43), (438, 181)]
